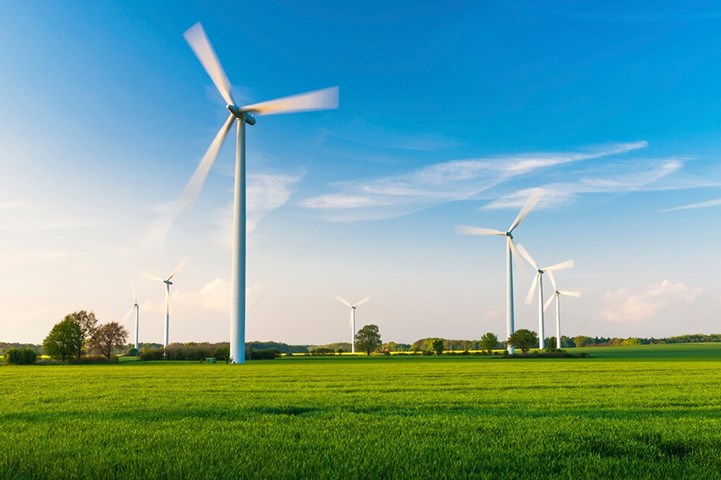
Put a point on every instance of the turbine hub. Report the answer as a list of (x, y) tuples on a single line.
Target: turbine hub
[(240, 114), (508, 234)]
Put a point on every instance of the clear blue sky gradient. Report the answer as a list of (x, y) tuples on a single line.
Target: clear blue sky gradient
[(449, 114)]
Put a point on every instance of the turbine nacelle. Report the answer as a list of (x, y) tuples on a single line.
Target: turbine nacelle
[(241, 114)]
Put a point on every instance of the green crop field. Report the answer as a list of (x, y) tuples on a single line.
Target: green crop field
[(627, 412)]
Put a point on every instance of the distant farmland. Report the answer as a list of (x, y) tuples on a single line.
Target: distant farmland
[(627, 412)]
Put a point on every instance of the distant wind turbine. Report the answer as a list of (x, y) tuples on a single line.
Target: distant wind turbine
[(538, 282), (316, 100), (557, 295), (167, 283), (510, 252), (135, 308), (352, 317)]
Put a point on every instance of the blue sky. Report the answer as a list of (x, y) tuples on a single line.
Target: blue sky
[(448, 115)]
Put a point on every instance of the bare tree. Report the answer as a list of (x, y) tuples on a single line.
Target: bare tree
[(107, 338)]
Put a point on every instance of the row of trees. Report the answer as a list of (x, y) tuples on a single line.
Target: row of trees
[(79, 334)]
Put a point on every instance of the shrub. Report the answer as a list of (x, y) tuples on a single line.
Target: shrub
[(268, 354), (133, 352), (151, 354), (21, 356), (92, 359)]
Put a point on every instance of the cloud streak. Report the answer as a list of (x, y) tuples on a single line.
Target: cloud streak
[(634, 306), (692, 206), (403, 193)]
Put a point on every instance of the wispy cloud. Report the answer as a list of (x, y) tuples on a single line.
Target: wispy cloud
[(692, 206), (400, 194), (215, 296), (626, 177), (638, 305)]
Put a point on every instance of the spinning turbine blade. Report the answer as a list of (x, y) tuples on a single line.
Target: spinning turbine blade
[(325, 99), (568, 293), (548, 302), (515, 253), (127, 314), (532, 290), (530, 205), (465, 230), (152, 277), (527, 256), (361, 302), (553, 280), (177, 269), (559, 266), (344, 301), (194, 185), (198, 41)]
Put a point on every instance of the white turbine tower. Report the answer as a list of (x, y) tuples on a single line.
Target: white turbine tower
[(538, 282), (557, 295), (316, 100), (167, 283), (510, 252), (352, 317)]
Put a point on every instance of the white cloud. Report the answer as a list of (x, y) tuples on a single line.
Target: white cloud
[(691, 206), (627, 177), (403, 193), (636, 305), (214, 297)]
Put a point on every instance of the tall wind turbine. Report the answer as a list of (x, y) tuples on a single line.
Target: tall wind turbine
[(168, 283), (317, 100), (135, 308), (510, 252), (352, 317), (557, 295), (538, 282)]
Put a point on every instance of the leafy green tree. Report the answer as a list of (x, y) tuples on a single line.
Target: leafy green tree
[(582, 340), (87, 323), (21, 356), (107, 338), (488, 342), (523, 339), (368, 339), (437, 346), (65, 340)]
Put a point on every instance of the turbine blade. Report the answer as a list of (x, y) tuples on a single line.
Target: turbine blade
[(569, 293), (515, 254), (198, 41), (530, 205), (178, 268), (548, 302), (195, 184), (559, 266), (325, 99), (532, 290), (152, 277), (127, 314), (465, 230), (361, 302), (527, 256), (553, 280), (344, 301)]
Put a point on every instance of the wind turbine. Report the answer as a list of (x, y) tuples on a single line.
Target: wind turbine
[(167, 283), (557, 295), (317, 100), (538, 282), (136, 307), (352, 317), (510, 252)]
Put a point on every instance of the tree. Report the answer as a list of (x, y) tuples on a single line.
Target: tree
[(437, 346), (368, 339), (523, 339), (582, 340), (108, 337), (488, 342), (65, 340), (87, 323)]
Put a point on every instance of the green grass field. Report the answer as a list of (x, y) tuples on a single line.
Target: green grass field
[(627, 412)]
